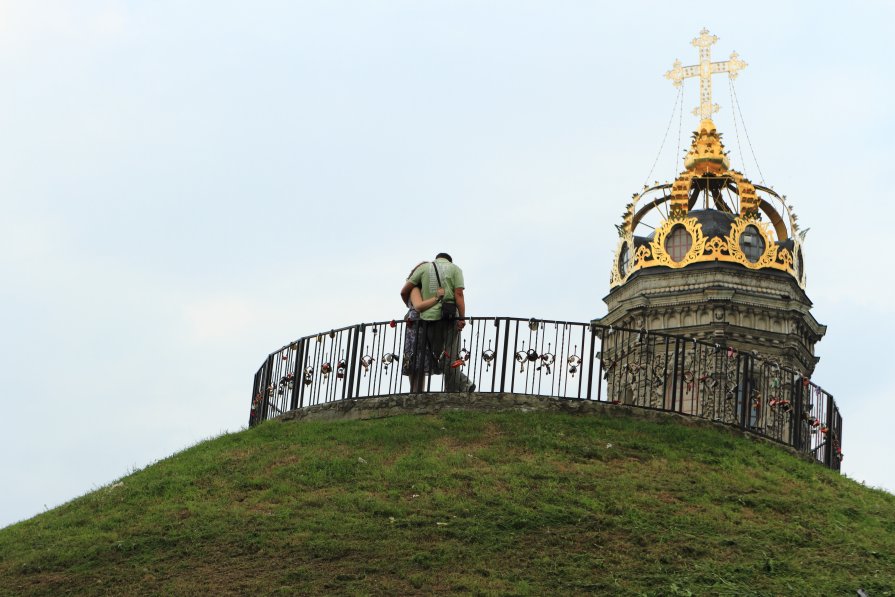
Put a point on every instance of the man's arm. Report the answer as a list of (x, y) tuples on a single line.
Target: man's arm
[(460, 299), (405, 291)]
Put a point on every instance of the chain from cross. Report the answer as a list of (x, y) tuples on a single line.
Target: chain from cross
[(704, 70)]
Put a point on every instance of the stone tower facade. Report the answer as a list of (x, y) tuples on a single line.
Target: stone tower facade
[(764, 312)]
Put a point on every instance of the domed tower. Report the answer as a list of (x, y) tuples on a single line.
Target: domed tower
[(714, 256)]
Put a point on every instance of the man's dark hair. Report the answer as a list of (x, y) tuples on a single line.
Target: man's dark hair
[(444, 256)]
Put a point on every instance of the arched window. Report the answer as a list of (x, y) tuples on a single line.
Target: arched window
[(752, 243), (678, 243), (624, 260)]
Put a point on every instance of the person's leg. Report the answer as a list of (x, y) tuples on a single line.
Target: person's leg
[(419, 363), (410, 366), (434, 335), (417, 379)]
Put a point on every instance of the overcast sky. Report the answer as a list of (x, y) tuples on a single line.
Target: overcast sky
[(186, 186)]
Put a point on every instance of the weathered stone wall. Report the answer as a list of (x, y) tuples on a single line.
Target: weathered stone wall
[(430, 404), (427, 404)]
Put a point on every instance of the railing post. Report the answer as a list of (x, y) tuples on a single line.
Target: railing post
[(745, 407), (256, 390), (828, 440), (506, 346), (296, 378), (665, 373), (838, 437), (797, 414), (591, 359), (361, 340), (303, 349), (515, 349), (265, 385), (496, 347), (352, 361), (682, 382), (674, 376), (581, 376), (600, 361)]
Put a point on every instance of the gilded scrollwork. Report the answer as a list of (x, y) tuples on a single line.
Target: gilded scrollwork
[(715, 246), (767, 258), (784, 257), (623, 267), (746, 191), (697, 246), (680, 193), (642, 254)]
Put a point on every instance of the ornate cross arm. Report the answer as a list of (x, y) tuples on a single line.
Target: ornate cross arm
[(732, 66), (678, 73)]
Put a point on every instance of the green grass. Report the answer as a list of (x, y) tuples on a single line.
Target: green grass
[(521, 504)]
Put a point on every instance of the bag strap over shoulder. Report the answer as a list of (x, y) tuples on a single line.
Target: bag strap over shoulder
[(437, 277)]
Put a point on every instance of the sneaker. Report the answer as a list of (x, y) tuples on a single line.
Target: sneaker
[(470, 389)]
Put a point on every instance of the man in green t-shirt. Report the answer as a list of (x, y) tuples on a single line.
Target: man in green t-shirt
[(443, 336)]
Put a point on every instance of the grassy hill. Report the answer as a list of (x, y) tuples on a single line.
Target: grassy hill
[(514, 503)]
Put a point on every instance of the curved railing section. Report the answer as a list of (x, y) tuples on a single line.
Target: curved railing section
[(562, 359)]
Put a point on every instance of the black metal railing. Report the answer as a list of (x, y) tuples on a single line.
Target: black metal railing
[(565, 360)]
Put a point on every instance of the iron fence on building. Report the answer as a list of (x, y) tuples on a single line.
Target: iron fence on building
[(562, 359)]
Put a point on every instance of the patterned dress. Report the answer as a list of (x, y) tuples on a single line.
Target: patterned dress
[(415, 353)]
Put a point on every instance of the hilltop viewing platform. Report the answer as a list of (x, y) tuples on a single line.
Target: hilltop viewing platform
[(565, 360), (707, 315)]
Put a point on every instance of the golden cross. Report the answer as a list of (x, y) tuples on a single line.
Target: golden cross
[(704, 70)]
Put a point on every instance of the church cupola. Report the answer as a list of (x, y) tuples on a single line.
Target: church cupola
[(713, 254)]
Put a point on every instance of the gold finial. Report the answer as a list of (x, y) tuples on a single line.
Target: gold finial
[(706, 153), (704, 70)]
